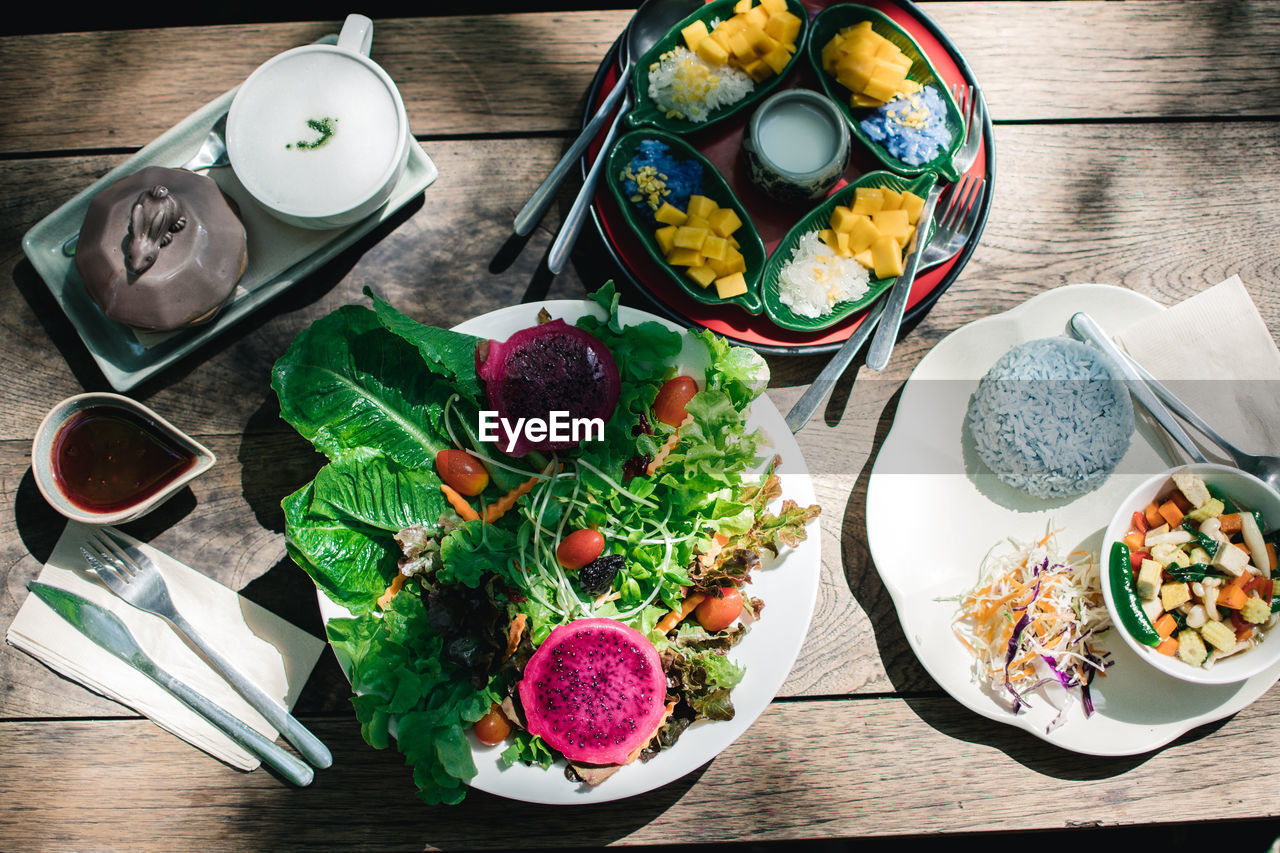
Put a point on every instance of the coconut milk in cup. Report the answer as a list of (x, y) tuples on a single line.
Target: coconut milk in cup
[(318, 135), (797, 145)]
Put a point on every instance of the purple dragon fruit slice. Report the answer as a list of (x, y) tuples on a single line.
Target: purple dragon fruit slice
[(549, 367), (594, 690)]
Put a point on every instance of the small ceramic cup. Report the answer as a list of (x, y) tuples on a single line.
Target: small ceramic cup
[(318, 135), (45, 448), (797, 145)]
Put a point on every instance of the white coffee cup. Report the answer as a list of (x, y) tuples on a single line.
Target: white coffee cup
[(318, 135)]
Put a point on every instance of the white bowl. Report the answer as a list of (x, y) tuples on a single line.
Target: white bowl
[(1247, 491), (43, 447)]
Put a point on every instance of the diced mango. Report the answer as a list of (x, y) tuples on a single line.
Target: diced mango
[(892, 223), (760, 41), (886, 255), (684, 258), (700, 206), (863, 234), (774, 6), (731, 285), (871, 66), (777, 59), (783, 26), (881, 89), (758, 71), (741, 6), (864, 258), (703, 275), (694, 34), (892, 199), (828, 236), (720, 38), (714, 247), (688, 237), (734, 261), (757, 16), (867, 200), (842, 218), (724, 221), (740, 48), (842, 244), (912, 204), (858, 100), (669, 214), (697, 222), (666, 238)]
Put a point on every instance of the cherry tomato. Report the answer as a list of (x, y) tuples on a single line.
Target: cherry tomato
[(579, 548), (673, 396), (716, 614), (493, 727), (462, 471)]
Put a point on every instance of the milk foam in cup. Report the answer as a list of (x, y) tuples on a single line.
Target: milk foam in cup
[(797, 145), (319, 135)]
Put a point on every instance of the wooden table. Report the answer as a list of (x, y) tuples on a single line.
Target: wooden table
[(1138, 144)]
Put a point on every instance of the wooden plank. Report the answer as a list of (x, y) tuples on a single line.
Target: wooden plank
[(463, 75), (837, 768), (528, 73)]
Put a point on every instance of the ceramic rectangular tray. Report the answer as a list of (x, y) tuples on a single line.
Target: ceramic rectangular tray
[(280, 255)]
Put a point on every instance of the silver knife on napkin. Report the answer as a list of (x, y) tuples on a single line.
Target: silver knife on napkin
[(105, 629)]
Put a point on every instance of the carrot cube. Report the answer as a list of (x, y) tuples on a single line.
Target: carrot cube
[(1169, 512)]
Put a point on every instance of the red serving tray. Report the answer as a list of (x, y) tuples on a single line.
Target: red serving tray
[(721, 144)]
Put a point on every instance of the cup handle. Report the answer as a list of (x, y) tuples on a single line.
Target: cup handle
[(356, 35)]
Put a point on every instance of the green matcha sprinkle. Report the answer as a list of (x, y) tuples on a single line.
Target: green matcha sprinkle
[(325, 127)]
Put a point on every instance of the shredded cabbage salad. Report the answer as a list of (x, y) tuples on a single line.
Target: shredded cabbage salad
[(1032, 622)]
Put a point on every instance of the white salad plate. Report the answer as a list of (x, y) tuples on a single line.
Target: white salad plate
[(934, 511), (788, 585)]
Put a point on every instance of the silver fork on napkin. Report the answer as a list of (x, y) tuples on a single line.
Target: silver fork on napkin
[(130, 574)]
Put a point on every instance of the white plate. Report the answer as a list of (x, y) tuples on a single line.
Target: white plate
[(788, 586), (933, 512)]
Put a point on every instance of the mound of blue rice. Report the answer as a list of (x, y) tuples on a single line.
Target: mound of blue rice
[(1051, 419)]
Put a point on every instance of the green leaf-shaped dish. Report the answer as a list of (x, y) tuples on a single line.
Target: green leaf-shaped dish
[(832, 20), (648, 114), (715, 188), (816, 220)]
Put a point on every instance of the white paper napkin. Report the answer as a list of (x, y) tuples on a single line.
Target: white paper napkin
[(1214, 352), (274, 654)]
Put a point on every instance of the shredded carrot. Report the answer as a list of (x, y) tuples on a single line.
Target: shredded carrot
[(675, 617), (667, 446), (385, 598), (459, 504), (499, 508)]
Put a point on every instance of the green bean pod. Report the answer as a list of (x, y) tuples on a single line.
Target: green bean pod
[(1128, 608)]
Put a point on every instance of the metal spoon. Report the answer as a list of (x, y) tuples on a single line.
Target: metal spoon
[(212, 154), (1265, 468), (651, 22)]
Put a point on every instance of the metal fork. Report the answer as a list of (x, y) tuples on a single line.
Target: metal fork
[(952, 230), (132, 575)]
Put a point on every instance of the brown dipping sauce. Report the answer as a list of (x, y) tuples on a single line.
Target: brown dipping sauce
[(106, 459)]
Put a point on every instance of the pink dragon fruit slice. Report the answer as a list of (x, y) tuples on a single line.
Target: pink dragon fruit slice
[(594, 690), (549, 367)]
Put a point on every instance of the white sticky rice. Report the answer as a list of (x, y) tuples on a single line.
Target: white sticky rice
[(687, 86), (816, 279), (1051, 419)]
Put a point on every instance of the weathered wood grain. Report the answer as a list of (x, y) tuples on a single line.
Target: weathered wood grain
[(835, 768), (527, 73)]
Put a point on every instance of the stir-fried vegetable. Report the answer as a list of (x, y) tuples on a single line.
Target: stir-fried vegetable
[(1032, 623)]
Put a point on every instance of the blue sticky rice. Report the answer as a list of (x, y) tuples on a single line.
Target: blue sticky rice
[(912, 145), (670, 180), (1051, 419)]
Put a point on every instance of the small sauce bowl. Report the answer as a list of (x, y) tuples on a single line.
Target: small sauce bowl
[(797, 145), (106, 459)]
